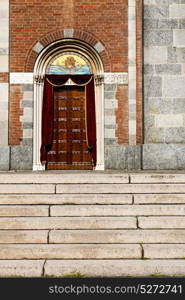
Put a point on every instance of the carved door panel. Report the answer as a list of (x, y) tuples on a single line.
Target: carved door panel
[(69, 150)]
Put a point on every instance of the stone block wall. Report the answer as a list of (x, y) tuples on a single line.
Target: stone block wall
[(164, 84)]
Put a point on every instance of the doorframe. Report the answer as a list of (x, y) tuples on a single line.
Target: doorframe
[(47, 54)]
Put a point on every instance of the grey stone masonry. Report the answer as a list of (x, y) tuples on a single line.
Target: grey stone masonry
[(164, 84), (4, 157), (27, 118), (21, 157)]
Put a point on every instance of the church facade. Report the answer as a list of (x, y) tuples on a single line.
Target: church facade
[(92, 85)]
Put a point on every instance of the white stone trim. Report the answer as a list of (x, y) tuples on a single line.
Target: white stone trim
[(21, 78), (38, 47), (115, 78), (132, 70), (68, 33), (99, 47), (4, 67)]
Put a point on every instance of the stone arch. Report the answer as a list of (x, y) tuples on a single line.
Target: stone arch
[(46, 55), (66, 34)]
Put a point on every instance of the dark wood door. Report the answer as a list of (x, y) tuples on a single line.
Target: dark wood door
[(69, 150)]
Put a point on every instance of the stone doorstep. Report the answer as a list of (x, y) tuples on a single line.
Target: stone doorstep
[(63, 177)]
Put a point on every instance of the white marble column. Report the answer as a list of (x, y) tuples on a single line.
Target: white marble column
[(4, 69), (132, 70)]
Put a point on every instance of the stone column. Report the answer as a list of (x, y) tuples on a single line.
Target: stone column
[(4, 83), (132, 70)]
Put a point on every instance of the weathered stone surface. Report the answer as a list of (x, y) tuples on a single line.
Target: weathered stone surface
[(174, 135), (169, 120), (155, 55), (162, 222), (23, 268), (110, 88), (173, 86), (157, 105), (117, 236), (178, 38), (117, 210), (158, 38), (122, 157), (176, 55), (27, 188), (177, 11), (4, 158), (168, 69), (154, 135), (156, 12), (23, 210), (23, 236), (120, 188), (66, 199), (148, 69), (163, 157), (152, 86), (157, 178), (76, 251), (164, 251), (159, 199), (62, 177), (179, 105), (68, 223), (21, 158), (114, 268), (167, 24)]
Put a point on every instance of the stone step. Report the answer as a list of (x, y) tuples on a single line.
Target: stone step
[(115, 268), (161, 222), (120, 188), (92, 199), (24, 210), (159, 199), (116, 210), (23, 236), (74, 251), (27, 188), (116, 236), (67, 223), (92, 268), (66, 199), (64, 177), (164, 251), (21, 268), (157, 178)]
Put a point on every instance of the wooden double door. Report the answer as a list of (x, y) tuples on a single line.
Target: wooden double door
[(70, 145)]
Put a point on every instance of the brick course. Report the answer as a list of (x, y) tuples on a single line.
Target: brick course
[(4, 77), (15, 111)]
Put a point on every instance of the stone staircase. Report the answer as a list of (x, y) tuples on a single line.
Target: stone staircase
[(92, 224)]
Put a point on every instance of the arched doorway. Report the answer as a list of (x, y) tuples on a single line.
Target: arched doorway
[(69, 57)]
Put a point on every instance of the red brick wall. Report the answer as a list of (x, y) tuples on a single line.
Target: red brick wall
[(15, 127), (106, 20), (4, 77), (122, 114), (92, 20)]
